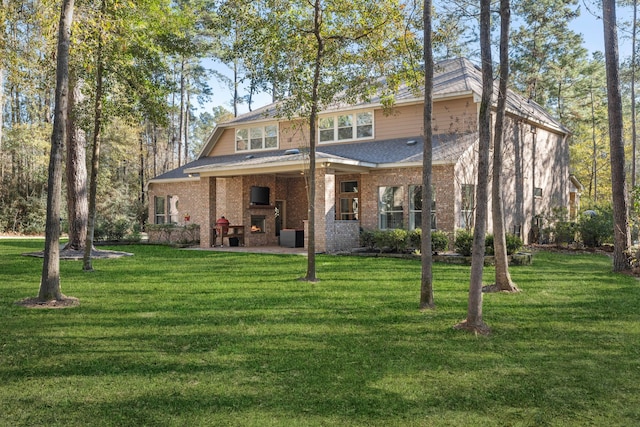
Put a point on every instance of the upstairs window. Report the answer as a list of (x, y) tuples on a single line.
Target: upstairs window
[(257, 138), (346, 127)]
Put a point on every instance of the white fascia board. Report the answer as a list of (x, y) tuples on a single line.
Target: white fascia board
[(171, 181), (163, 181), (275, 167), (453, 95)]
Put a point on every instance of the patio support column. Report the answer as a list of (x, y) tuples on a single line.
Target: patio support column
[(325, 209), (208, 198)]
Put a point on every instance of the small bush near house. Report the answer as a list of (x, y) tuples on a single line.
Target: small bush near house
[(367, 239), (380, 239), (415, 238), (514, 243), (488, 245), (134, 237), (463, 243), (396, 239), (561, 230), (596, 226), (439, 240), (190, 234)]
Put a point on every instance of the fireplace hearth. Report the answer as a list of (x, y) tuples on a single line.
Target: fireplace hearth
[(258, 223)]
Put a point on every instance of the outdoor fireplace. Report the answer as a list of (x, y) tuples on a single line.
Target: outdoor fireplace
[(258, 223)]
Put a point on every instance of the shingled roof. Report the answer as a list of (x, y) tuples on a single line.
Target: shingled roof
[(452, 77), (399, 152)]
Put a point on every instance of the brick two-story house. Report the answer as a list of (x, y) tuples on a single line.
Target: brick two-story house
[(369, 168)]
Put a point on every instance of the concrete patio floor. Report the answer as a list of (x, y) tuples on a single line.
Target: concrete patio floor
[(256, 250)]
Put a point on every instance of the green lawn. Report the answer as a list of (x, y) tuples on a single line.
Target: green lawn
[(188, 338)]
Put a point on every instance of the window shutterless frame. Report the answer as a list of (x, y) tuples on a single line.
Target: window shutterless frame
[(345, 127)]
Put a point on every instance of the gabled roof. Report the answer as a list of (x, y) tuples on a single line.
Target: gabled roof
[(354, 157), (452, 78)]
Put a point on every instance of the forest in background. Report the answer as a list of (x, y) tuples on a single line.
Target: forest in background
[(155, 85)]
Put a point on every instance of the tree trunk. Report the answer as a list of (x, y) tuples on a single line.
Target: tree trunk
[(141, 170), (95, 156), (622, 236), (426, 285), (593, 184), (77, 205), (1, 122), (503, 278), (311, 241), (236, 96), (2, 73), (633, 94), (186, 126), (154, 139), (181, 117), (50, 281), (474, 320)]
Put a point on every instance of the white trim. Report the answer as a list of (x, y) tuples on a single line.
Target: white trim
[(234, 169), (170, 180)]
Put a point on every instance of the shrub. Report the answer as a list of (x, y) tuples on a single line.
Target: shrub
[(596, 226), (23, 214), (463, 243), (439, 240), (561, 230), (133, 237), (398, 239), (367, 239), (514, 243), (190, 234), (488, 245), (394, 240), (415, 238), (111, 229), (381, 239)]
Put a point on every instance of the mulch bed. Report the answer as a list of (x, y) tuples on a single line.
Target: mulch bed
[(67, 254), (65, 302), (77, 255)]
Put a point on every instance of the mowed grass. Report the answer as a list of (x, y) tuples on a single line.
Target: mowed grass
[(192, 338)]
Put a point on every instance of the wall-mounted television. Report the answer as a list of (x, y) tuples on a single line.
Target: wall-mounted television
[(259, 196)]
